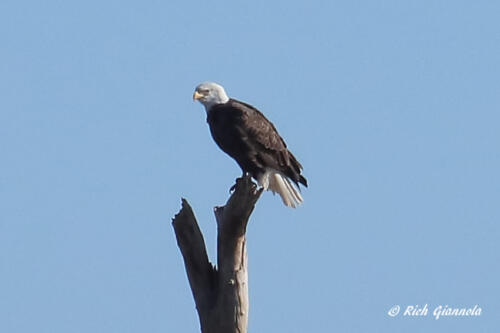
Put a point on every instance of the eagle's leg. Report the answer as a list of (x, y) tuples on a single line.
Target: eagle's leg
[(245, 174)]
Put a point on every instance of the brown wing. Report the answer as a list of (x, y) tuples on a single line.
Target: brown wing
[(269, 147)]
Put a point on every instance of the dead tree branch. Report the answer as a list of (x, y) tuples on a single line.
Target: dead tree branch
[(220, 294)]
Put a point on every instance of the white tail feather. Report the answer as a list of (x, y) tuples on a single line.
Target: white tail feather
[(279, 183)]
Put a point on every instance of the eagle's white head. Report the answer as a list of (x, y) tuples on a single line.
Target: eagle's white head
[(210, 94)]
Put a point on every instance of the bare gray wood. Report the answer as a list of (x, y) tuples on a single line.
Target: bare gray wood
[(220, 294)]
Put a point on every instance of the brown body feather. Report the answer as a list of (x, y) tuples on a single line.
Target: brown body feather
[(246, 135)]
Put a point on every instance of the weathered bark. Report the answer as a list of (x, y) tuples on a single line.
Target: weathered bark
[(220, 294)]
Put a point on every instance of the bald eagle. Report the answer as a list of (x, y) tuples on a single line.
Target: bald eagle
[(246, 135)]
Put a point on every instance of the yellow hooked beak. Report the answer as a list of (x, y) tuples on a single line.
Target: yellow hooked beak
[(197, 96)]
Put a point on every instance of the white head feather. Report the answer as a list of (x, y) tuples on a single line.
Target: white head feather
[(210, 94)]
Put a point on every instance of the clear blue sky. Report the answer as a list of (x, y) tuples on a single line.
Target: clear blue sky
[(392, 107)]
